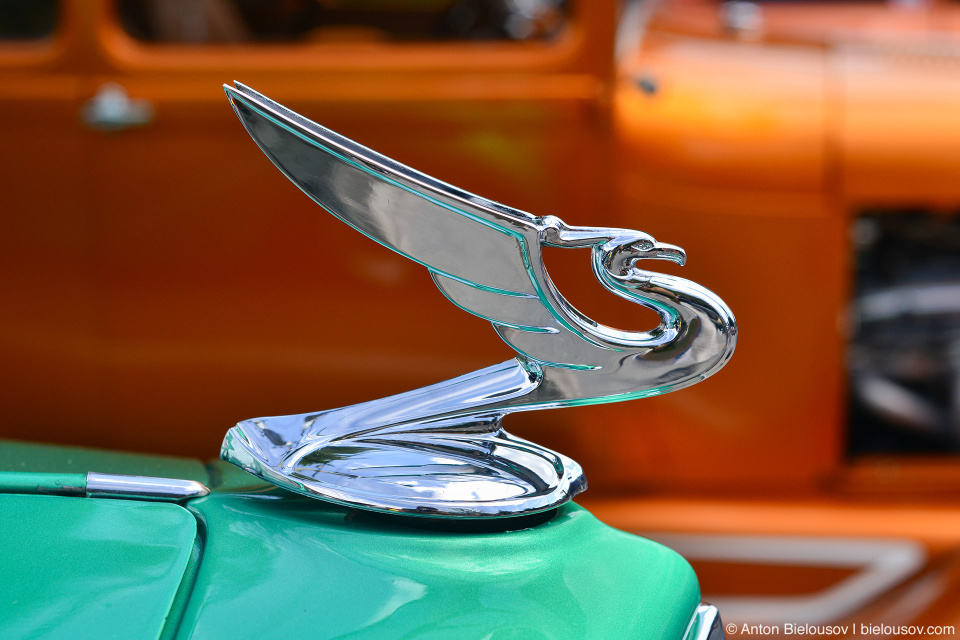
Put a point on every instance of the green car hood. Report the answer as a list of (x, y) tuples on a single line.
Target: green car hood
[(78, 568), (254, 561), (86, 568)]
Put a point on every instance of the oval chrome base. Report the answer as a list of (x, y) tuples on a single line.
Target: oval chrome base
[(480, 474)]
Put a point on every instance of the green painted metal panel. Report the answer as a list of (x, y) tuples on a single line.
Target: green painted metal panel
[(61, 484), (277, 565), (42, 458), (79, 568)]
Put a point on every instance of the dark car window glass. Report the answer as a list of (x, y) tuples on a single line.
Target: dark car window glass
[(27, 19), (279, 21)]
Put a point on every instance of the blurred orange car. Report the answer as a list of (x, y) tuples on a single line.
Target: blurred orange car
[(162, 282)]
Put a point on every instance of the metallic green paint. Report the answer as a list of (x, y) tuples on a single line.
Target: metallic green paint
[(279, 565), (79, 568), (254, 561), (41, 458), (59, 484)]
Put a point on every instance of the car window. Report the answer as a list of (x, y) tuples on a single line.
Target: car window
[(289, 21), (27, 19)]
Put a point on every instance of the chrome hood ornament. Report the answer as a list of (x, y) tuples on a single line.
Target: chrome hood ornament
[(440, 450)]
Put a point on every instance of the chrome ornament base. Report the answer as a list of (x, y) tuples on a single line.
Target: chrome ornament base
[(440, 450), (447, 468)]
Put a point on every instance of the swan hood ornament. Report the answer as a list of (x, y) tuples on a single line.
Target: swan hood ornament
[(440, 450)]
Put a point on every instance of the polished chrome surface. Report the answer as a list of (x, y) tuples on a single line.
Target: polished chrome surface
[(705, 624), (440, 450), (109, 485)]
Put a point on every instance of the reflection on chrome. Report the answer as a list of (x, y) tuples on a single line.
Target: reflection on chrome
[(440, 450), (705, 624)]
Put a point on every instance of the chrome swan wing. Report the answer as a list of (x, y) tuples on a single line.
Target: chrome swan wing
[(416, 452)]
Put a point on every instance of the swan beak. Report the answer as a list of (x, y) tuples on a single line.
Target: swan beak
[(661, 251)]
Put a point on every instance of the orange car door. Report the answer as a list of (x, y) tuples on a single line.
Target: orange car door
[(225, 292), (47, 293)]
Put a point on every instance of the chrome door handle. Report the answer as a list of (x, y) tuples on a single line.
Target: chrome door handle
[(112, 109)]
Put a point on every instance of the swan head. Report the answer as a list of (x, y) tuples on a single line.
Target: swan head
[(620, 255)]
